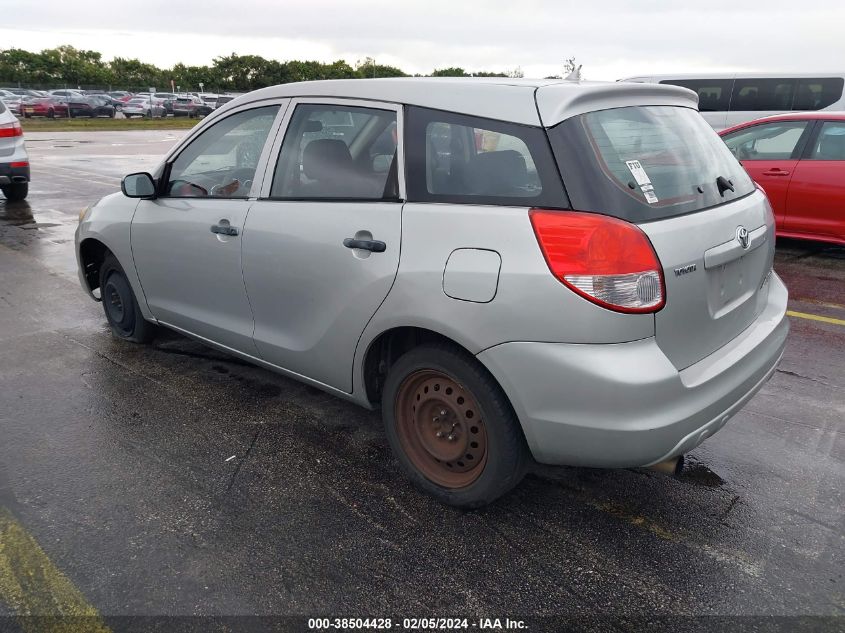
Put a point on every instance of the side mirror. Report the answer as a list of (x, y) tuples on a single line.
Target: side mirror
[(140, 185)]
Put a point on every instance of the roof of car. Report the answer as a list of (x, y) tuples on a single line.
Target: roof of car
[(526, 101), (790, 116)]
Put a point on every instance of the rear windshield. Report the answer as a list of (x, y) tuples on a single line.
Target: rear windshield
[(2, 108), (644, 163)]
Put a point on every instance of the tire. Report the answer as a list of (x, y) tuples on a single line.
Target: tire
[(120, 305), (16, 191), (475, 452)]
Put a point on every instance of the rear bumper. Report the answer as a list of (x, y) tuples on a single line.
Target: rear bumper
[(9, 174), (625, 405)]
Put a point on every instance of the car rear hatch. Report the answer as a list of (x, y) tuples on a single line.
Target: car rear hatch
[(663, 168)]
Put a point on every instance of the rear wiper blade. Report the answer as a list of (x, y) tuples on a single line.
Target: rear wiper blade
[(724, 184)]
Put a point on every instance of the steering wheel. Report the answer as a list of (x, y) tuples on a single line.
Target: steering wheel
[(187, 189), (237, 180)]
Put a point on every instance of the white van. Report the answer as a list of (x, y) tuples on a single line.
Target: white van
[(729, 99)]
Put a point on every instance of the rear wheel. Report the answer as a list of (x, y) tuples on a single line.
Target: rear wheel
[(451, 427), (16, 191), (120, 305)]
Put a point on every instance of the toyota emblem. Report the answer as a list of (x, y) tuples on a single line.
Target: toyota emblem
[(742, 236)]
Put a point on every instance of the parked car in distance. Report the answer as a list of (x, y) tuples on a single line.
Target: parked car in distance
[(121, 95), (209, 99), (190, 106), (105, 98), (50, 107), (222, 100), (167, 99), (88, 106), (145, 106), (67, 93), (11, 100), (14, 161), (799, 160), (586, 273), (24, 92)]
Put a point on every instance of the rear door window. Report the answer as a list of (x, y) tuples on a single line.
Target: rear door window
[(830, 144), (756, 95), (338, 152), (463, 159), (768, 141), (714, 95), (644, 163)]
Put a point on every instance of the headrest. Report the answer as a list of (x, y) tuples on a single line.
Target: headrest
[(832, 147), (498, 173), (324, 157)]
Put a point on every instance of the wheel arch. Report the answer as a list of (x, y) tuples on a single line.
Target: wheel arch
[(92, 253), (386, 348)]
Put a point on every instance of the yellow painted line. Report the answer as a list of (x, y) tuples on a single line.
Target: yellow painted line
[(42, 597), (815, 317)]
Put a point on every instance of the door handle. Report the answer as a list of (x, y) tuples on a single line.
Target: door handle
[(776, 172), (224, 228), (375, 246)]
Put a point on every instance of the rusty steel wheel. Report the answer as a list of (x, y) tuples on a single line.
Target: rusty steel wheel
[(440, 429)]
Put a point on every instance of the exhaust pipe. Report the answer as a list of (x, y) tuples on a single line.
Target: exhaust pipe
[(672, 466)]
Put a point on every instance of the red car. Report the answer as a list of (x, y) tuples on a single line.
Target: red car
[(49, 107), (799, 159)]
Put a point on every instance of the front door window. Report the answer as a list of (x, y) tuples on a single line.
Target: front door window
[(221, 162)]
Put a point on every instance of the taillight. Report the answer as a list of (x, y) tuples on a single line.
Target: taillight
[(608, 261), (8, 130)]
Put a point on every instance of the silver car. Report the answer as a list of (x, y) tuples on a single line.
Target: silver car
[(145, 106), (574, 273), (14, 161)]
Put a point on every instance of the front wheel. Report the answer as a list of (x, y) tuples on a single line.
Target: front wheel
[(451, 427), (16, 191), (121, 306)]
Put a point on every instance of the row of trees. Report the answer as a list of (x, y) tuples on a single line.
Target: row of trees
[(68, 66)]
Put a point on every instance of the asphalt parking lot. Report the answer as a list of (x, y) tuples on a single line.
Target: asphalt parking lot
[(173, 480)]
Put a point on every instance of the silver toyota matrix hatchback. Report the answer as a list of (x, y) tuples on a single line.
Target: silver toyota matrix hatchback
[(578, 273)]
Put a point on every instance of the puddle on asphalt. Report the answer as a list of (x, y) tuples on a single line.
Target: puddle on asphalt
[(20, 215)]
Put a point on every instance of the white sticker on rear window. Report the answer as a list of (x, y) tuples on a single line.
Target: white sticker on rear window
[(638, 172), (649, 196)]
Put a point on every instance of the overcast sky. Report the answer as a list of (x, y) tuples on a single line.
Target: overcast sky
[(611, 38)]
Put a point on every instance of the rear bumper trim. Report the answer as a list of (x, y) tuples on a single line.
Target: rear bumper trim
[(624, 405)]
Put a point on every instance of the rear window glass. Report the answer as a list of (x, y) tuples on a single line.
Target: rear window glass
[(815, 94), (645, 163), (2, 108), (470, 160)]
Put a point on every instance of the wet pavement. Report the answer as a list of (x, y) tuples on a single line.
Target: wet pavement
[(117, 460)]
